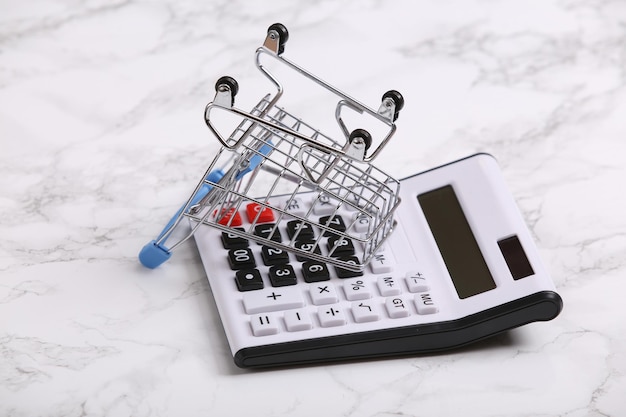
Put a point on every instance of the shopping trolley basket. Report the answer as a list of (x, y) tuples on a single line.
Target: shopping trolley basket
[(273, 158)]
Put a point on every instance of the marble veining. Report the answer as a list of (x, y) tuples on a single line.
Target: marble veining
[(102, 138)]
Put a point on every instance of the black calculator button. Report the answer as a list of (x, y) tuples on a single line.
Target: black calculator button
[(345, 273), (248, 280), (344, 246), (282, 275), (241, 258), (315, 271), (232, 241), (264, 230), (307, 246), (273, 256), (334, 222), (303, 229)]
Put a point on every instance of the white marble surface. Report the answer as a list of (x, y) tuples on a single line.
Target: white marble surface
[(102, 137)]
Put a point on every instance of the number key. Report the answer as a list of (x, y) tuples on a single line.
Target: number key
[(308, 246), (264, 230), (282, 275), (232, 241), (273, 256), (335, 222), (315, 271), (345, 273), (241, 259), (340, 246), (302, 229)]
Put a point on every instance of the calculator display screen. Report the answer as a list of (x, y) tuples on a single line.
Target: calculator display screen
[(457, 244)]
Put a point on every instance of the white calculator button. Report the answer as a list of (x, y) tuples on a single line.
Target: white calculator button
[(323, 294), (397, 307), (331, 316), (388, 285), (273, 299), (364, 311), (295, 206), (323, 205), (425, 304), (382, 262), (416, 281), (264, 325), (357, 289), (297, 320), (361, 222)]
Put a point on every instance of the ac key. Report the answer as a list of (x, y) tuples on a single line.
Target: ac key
[(323, 294)]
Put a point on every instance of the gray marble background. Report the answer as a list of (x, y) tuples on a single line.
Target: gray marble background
[(102, 138)]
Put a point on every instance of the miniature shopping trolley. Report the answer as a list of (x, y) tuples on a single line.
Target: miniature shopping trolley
[(272, 158)]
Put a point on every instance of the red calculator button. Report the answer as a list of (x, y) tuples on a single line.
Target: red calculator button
[(227, 215), (266, 216)]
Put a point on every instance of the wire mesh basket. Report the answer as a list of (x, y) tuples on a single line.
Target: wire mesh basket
[(273, 160)]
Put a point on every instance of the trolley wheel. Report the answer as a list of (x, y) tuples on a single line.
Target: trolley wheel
[(364, 135), (398, 100), (232, 85), (283, 35)]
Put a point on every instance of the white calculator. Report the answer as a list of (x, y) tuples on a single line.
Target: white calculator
[(459, 266)]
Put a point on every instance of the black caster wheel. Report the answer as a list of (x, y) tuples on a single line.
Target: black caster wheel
[(364, 135), (230, 83), (283, 35), (398, 100)]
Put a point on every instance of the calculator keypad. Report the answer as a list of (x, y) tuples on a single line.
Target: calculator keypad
[(279, 295)]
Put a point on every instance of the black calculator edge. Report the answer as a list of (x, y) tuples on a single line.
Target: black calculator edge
[(426, 338)]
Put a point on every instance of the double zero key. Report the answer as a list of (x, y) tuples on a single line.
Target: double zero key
[(241, 258)]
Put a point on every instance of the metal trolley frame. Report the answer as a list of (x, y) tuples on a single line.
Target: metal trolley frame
[(273, 158)]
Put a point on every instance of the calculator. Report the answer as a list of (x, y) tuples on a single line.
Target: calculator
[(459, 266)]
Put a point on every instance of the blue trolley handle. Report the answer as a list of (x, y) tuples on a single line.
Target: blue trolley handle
[(154, 253)]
